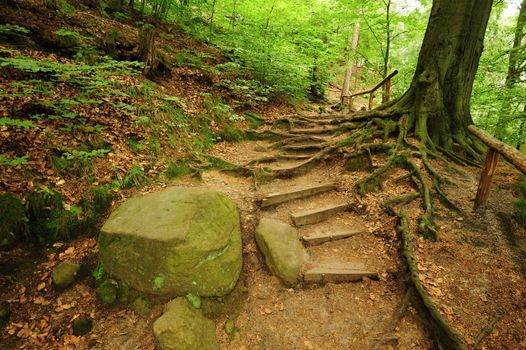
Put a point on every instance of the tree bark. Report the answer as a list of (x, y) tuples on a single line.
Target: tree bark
[(514, 72), (344, 99), (147, 53), (438, 99), (387, 46)]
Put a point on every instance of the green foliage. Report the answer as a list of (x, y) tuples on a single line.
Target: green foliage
[(107, 293), (91, 78), (12, 162), (135, 145), (121, 16), (85, 156), (16, 123), (135, 177), (62, 7), (49, 218), (193, 299), (177, 169), (179, 102), (13, 29), (188, 59), (520, 205), (76, 161), (96, 202)]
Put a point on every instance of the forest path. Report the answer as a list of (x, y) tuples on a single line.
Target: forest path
[(315, 315)]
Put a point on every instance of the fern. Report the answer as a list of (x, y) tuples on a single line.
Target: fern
[(13, 29), (12, 162), (16, 122)]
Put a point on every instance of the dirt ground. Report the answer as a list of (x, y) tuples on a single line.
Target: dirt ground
[(476, 269)]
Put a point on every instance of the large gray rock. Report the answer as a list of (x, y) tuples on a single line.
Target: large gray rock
[(173, 242), (283, 252), (182, 327)]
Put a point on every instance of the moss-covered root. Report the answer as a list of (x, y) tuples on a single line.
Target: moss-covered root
[(390, 203), (446, 336)]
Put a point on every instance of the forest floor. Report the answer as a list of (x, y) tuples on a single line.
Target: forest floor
[(476, 269)]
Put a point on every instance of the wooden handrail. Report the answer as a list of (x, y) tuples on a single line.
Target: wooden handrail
[(386, 81), (495, 147), (513, 156), (379, 85)]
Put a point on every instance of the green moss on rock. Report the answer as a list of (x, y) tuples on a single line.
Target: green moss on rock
[(182, 327), (174, 242), (64, 274), (283, 252), (107, 293)]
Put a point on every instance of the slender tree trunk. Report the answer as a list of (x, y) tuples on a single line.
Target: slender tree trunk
[(387, 45), (233, 19), (514, 71), (344, 98), (212, 16), (514, 63), (438, 100)]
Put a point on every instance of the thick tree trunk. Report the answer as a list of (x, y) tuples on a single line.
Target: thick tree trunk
[(147, 53), (438, 100)]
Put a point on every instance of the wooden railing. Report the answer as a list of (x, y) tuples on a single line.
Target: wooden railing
[(495, 147), (386, 82)]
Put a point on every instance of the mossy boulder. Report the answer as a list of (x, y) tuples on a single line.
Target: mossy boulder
[(64, 274), (12, 220), (284, 254), (107, 293), (173, 242), (183, 327)]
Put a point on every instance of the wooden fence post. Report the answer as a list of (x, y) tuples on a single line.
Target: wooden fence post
[(387, 95), (490, 165)]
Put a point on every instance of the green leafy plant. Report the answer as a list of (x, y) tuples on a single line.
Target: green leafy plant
[(85, 155), (178, 169), (16, 123), (62, 7), (134, 177), (13, 29), (12, 162)]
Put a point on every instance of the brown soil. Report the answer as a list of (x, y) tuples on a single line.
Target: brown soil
[(477, 267)]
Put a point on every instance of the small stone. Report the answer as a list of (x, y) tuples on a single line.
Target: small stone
[(182, 327), (64, 274), (141, 306), (81, 325), (107, 293), (230, 327)]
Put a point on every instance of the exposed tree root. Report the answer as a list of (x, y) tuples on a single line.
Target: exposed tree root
[(484, 332), (446, 336)]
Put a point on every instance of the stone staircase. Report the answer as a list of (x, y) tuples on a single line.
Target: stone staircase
[(321, 272)]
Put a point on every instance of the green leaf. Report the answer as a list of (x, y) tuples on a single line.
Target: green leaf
[(16, 122), (193, 299)]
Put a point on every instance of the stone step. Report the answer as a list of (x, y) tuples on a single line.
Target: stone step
[(322, 237), (316, 215), (282, 197), (338, 272), (313, 131), (304, 147)]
